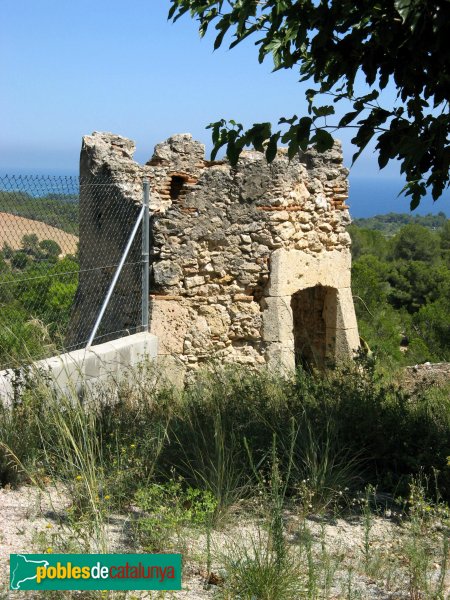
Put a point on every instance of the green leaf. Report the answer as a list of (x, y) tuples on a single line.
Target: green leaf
[(233, 152), (409, 11), (323, 140), (414, 202), (172, 11), (219, 39), (348, 118), (304, 131), (323, 111), (271, 150), (293, 149), (258, 134)]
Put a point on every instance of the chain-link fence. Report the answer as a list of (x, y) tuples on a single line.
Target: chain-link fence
[(61, 241)]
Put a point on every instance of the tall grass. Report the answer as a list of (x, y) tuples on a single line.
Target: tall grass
[(90, 446), (337, 432), (232, 438)]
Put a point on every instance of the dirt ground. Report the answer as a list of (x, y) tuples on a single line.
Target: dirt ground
[(30, 519), (426, 375), (12, 230)]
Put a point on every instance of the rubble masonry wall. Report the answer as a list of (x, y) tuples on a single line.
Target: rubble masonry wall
[(232, 249)]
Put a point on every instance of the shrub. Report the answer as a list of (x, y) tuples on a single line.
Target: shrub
[(169, 508), (335, 431)]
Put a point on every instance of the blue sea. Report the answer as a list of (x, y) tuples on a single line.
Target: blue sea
[(378, 196), (369, 196)]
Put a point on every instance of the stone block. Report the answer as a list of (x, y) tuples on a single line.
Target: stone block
[(277, 319), (169, 322), (167, 272), (294, 270), (280, 358)]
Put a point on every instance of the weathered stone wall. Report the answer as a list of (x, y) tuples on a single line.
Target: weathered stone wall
[(110, 199), (232, 247)]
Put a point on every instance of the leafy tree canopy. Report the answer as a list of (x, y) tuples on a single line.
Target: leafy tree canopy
[(390, 223), (333, 43), (50, 248), (445, 236), (414, 242), (367, 241), (30, 244), (401, 288), (415, 284)]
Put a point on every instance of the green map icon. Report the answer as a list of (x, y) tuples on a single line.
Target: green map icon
[(23, 569)]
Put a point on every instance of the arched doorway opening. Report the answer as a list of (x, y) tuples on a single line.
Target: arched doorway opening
[(314, 326)]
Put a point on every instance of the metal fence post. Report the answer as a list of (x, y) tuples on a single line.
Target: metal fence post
[(145, 255), (115, 278)]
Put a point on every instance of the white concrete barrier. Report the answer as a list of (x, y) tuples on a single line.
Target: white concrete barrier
[(113, 361)]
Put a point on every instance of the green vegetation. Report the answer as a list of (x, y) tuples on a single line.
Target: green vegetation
[(37, 289), (334, 432), (389, 224), (275, 460), (57, 210), (335, 48), (170, 507), (401, 287), (306, 451)]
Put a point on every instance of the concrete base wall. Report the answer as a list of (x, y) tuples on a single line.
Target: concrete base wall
[(73, 371)]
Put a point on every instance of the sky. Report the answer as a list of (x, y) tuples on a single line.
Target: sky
[(70, 68)]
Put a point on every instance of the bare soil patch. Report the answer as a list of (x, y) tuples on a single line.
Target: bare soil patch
[(426, 375), (12, 230), (30, 519)]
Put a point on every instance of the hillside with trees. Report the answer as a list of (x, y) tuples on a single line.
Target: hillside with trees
[(57, 210), (37, 288), (389, 224), (401, 288)]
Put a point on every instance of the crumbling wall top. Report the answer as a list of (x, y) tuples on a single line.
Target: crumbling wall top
[(180, 152), (231, 248)]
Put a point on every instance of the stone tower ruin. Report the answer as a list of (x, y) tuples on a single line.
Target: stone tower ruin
[(249, 264)]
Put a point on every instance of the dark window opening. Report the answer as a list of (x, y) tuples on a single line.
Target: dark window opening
[(176, 187)]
